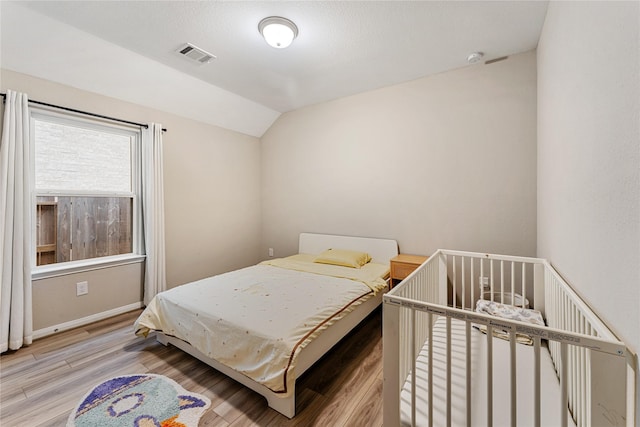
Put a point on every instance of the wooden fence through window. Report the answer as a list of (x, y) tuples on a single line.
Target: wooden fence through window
[(75, 228)]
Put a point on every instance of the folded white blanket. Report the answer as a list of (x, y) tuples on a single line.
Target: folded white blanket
[(506, 311)]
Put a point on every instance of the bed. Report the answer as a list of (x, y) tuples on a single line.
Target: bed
[(265, 325), (482, 339)]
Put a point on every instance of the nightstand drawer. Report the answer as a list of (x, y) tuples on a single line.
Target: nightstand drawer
[(400, 270)]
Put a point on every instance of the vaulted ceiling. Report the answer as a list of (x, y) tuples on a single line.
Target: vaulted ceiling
[(343, 48)]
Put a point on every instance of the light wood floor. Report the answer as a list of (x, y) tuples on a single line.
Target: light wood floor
[(42, 383)]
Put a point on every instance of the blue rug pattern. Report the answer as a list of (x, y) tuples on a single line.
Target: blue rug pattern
[(145, 400)]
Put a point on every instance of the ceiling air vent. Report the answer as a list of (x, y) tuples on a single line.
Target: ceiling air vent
[(196, 54)]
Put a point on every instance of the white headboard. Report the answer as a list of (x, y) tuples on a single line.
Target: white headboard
[(381, 250)]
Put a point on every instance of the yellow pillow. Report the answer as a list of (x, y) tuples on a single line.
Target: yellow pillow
[(343, 257)]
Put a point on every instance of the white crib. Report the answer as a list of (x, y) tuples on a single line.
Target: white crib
[(440, 370)]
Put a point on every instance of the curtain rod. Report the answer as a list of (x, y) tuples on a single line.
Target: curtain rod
[(142, 125)]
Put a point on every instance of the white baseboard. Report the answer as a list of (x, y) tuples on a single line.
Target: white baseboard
[(40, 333)]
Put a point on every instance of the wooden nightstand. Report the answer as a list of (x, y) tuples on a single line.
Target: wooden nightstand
[(403, 265)]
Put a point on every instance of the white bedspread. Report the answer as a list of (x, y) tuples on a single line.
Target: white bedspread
[(256, 320)]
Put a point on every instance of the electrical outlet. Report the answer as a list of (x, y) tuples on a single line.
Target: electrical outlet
[(82, 288), (270, 251)]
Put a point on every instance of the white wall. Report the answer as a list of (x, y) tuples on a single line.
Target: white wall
[(446, 161), (212, 205), (589, 155)]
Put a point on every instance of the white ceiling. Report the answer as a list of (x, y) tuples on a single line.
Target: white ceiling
[(343, 47)]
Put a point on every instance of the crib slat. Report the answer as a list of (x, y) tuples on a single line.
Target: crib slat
[(501, 281), (573, 374), (513, 286), (582, 385), (468, 369), (449, 401), (455, 282), (524, 284), (464, 287), (481, 275), (583, 375), (412, 328), (430, 373), (514, 390), (564, 399), (536, 380), (491, 277), (489, 375), (473, 286)]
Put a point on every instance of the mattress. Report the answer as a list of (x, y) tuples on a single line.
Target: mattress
[(550, 387), (256, 320)]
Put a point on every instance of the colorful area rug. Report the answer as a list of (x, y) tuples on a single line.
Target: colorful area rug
[(144, 400)]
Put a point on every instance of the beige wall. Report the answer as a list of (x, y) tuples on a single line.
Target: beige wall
[(589, 155), (212, 205), (55, 301), (446, 161)]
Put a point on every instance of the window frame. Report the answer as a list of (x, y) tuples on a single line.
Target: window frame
[(101, 125)]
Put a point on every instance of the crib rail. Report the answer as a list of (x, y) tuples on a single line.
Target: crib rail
[(568, 312), (450, 283)]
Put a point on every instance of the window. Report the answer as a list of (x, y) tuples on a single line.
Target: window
[(86, 186)]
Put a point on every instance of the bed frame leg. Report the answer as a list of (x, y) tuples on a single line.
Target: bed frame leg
[(162, 339), (286, 406)]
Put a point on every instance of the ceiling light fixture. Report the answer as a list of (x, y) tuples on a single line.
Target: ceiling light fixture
[(277, 31), (474, 57)]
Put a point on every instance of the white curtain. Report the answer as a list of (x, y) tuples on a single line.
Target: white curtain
[(153, 212), (16, 212)]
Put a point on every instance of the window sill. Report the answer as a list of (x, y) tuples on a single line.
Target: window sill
[(55, 270)]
